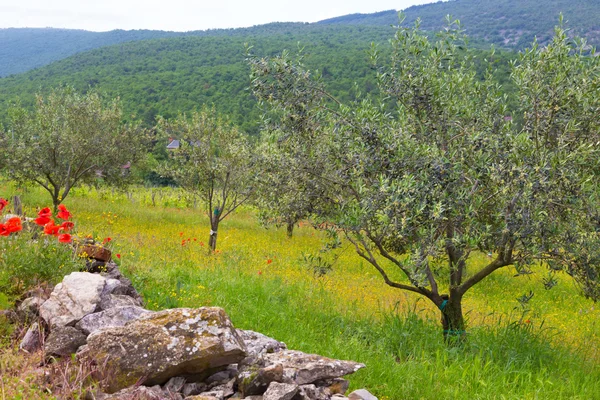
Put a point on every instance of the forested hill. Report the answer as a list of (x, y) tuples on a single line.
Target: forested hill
[(168, 76), (22, 49), (506, 23)]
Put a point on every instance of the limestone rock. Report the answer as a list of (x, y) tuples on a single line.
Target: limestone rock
[(302, 368), (312, 392), (160, 345), (192, 389), (280, 391), (361, 394), (174, 385), (125, 287), (334, 386), (211, 395), (31, 306), (75, 297), (254, 382), (118, 300), (258, 344), (113, 317), (32, 341), (63, 341), (139, 393)]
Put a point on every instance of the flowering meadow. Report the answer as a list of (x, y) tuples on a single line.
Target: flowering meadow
[(519, 346)]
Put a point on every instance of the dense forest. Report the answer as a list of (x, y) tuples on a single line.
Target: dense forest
[(169, 76), (510, 24)]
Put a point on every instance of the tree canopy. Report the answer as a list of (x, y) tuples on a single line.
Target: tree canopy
[(69, 139), (436, 170)]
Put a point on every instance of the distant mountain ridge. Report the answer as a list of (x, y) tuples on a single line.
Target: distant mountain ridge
[(506, 23), (24, 49)]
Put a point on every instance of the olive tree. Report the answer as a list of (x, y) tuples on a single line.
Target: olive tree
[(68, 139), (213, 162), (435, 170)]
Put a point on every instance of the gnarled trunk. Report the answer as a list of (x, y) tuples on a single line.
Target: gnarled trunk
[(453, 321)]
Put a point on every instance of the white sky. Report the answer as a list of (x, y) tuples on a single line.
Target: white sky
[(179, 15)]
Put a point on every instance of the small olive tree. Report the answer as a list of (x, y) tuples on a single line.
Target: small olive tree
[(435, 170), (69, 138), (213, 163)]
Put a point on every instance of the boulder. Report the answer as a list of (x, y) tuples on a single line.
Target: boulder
[(113, 317), (125, 287), (118, 300), (157, 346), (258, 344), (280, 391), (75, 297), (64, 341), (361, 394), (33, 339), (253, 381), (302, 368)]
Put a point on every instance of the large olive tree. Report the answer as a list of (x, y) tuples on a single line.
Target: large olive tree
[(437, 168), (69, 138), (213, 162)]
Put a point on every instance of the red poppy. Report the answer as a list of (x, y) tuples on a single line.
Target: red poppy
[(51, 229), (118, 255), (3, 203), (3, 230), (41, 221), (106, 240), (14, 225), (269, 261), (64, 238), (45, 212), (260, 272), (63, 213), (66, 226)]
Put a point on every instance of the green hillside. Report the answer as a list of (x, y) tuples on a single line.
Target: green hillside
[(506, 23), (167, 76), (22, 49)]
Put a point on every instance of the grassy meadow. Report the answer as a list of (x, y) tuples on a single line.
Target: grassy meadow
[(547, 350)]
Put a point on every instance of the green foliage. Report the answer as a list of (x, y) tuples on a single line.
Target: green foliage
[(505, 23), (25, 263), (420, 190), (213, 163), (171, 76), (69, 139), (24, 49)]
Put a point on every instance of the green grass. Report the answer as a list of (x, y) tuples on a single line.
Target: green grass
[(349, 313)]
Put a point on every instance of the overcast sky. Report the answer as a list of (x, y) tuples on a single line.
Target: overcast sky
[(179, 15)]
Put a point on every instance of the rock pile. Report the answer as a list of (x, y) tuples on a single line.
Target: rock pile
[(176, 354)]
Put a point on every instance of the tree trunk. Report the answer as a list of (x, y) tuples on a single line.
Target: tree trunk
[(214, 226), (453, 321), (290, 229), (17, 206)]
